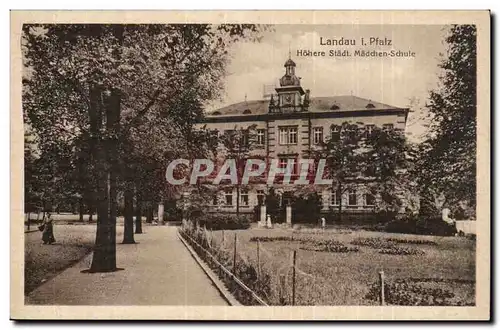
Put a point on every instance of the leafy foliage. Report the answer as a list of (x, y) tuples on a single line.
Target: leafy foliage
[(258, 280), (421, 226), (447, 162), (126, 96), (401, 251), (237, 145), (273, 205), (372, 242), (414, 292), (377, 159), (411, 241), (306, 207), (224, 222)]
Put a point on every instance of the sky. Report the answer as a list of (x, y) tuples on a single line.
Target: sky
[(394, 81)]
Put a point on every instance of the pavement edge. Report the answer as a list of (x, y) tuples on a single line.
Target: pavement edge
[(213, 277)]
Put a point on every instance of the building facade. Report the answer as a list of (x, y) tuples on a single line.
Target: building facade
[(291, 124)]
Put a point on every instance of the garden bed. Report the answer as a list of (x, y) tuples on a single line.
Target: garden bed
[(342, 272)]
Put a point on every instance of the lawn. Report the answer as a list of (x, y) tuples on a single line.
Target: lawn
[(42, 262), (344, 278)]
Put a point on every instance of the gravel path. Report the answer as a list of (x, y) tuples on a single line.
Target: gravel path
[(157, 271)]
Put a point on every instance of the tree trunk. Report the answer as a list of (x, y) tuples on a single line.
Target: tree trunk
[(104, 258), (161, 210), (81, 209), (128, 230), (107, 168), (138, 212), (340, 204), (237, 200), (149, 218)]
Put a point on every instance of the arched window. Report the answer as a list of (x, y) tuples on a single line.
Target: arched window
[(247, 111)]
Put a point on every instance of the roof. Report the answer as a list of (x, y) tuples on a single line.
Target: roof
[(316, 104), (289, 62)]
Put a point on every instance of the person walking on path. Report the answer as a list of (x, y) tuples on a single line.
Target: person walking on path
[(48, 230)]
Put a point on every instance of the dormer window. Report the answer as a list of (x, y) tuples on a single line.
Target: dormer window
[(247, 111), (370, 106), (216, 113), (334, 107)]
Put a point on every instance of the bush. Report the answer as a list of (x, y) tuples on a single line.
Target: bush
[(401, 251), (224, 222), (435, 226), (373, 242), (360, 218), (411, 292), (271, 238), (306, 208), (273, 206), (426, 226), (247, 273), (403, 226), (472, 237), (256, 213), (385, 216), (334, 248), (310, 243), (172, 213), (411, 241)]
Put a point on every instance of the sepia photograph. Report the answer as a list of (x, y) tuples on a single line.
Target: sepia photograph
[(209, 167)]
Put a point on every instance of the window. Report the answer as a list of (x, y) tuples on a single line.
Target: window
[(244, 138), (353, 198), (369, 200), (260, 197), (215, 199), (369, 130), (387, 127), (318, 135), (283, 163), (335, 197), (288, 135), (335, 133), (247, 111), (293, 164), (228, 197), (261, 137), (286, 198), (244, 197)]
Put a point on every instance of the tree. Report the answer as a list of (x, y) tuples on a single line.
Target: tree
[(387, 164), (273, 204), (345, 158), (447, 158), (105, 80), (375, 158), (306, 205), (238, 145)]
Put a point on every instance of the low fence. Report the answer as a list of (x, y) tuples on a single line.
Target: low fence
[(250, 282)]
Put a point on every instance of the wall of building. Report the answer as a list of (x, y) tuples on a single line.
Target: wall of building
[(273, 150)]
